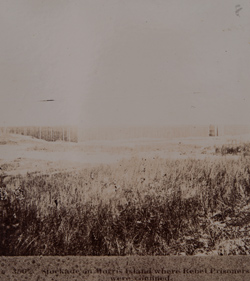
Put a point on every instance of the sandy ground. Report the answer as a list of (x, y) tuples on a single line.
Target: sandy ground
[(22, 154)]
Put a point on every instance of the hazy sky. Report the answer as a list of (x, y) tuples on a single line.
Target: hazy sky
[(124, 62)]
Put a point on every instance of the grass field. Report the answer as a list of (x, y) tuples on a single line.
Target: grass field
[(136, 206)]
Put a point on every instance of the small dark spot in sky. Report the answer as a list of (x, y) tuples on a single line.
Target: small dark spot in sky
[(46, 100), (238, 8)]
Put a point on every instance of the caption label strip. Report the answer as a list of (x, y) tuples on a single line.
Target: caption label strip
[(125, 268)]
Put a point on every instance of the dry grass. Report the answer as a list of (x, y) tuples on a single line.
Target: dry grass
[(138, 206), (242, 148)]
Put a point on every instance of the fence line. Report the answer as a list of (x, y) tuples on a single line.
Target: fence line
[(75, 134)]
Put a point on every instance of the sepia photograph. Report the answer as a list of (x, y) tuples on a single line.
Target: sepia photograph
[(125, 132)]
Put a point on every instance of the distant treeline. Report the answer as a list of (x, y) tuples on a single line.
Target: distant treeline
[(76, 134)]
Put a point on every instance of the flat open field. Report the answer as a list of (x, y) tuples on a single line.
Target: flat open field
[(124, 197), (25, 154)]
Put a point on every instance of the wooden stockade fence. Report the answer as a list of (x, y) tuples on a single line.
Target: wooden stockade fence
[(77, 134), (68, 134)]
